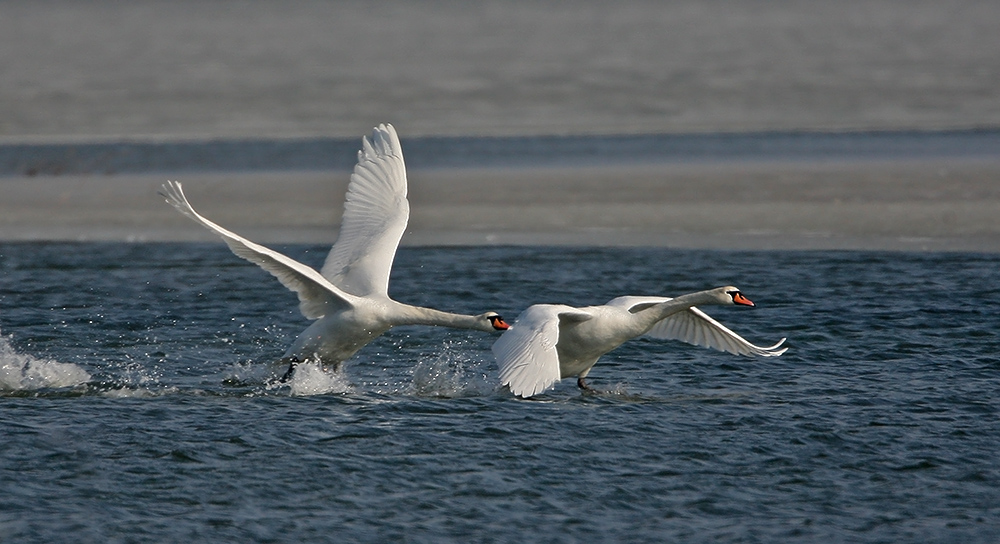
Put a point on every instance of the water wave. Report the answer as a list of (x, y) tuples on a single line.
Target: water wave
[(886, 404)]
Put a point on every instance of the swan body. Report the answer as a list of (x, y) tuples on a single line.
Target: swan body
[(348, 298), (549, 342)]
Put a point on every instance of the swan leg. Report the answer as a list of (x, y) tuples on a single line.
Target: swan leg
[(583, 385), (292, 361)]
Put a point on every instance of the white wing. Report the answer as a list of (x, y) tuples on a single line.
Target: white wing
[(375, 216), (526, 353), (317, 296), (696, 327)]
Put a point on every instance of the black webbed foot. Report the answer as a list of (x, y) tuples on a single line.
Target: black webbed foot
[(292, 361)]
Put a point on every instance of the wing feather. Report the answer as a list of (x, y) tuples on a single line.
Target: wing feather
[(526, 353), (375, 215), (317, 296), (696, 327)]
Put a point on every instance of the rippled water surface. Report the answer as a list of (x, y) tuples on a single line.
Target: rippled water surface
[(138, 404)]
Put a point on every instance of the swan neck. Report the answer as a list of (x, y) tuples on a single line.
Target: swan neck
[(416, 315), (660, 311)]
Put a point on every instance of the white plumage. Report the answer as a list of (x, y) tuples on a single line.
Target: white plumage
[(349, 297), (549, 342)]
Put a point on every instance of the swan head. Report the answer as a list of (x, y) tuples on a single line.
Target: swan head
[(494, 322), (730, 295)]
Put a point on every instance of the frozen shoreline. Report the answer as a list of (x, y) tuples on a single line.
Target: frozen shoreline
[(219, 75), (934, 204)]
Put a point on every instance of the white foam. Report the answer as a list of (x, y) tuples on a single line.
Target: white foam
[(311, 378), (20, 372)]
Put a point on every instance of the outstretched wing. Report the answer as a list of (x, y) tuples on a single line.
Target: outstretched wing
[(526, 353), (696, 327), (317, 296), (375, 216)]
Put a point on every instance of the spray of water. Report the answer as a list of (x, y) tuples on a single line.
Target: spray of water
[(22, 372), (450, 373), (310, 378)]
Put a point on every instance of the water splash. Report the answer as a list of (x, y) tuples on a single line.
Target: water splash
[(310, 378), (250, 374), (450, 373), (20, 372)]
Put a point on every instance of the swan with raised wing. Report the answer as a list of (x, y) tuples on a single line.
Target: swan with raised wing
[(549, 342), (348, 298)]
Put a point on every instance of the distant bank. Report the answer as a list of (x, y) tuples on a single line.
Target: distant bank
[(304, 154)]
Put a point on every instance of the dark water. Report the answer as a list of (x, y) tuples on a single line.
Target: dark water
[(136, 404)]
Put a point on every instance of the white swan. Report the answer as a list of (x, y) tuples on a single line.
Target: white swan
[(349, 297), (549, 342)]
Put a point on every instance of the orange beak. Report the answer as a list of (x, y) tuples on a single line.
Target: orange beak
[(738, 298), (498, 323)]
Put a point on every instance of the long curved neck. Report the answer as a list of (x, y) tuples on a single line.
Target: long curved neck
[(417, 315), (656, 312)]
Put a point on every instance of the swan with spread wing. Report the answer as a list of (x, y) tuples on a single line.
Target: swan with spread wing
[(549, 342), (348, 298)]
